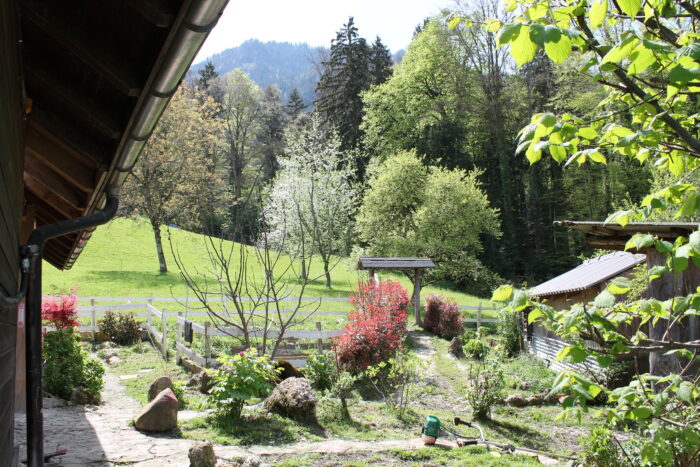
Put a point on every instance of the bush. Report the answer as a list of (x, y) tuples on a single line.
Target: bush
[(442, 316), (241, 377), (601, 450), (484, 389), (120, 328), (397, 381), (509, 328), (320, 370), (376, 328), (475, 348), (66, 364)]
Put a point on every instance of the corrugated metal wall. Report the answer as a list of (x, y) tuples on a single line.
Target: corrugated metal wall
[(546, 348), (10, 215)]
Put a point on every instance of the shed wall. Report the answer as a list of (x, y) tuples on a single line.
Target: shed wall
[(11, 201)]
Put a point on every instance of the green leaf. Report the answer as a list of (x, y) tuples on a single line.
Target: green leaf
[(541, 34), (523, 49), (502, 294), (587, 133), (680, 75), (685, 392), (641, 413), (454, 22), (597, 13), (558, 51), (630, 7), (690, 206), (557, 152), (620, 285), (641, 60), (605, 299), (537, 11), (576, 353), (622, 51), (694, 240), (509, 33), (604, 361), (548, 120)]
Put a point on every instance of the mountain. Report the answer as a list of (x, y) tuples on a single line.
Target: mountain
[(285, 64)]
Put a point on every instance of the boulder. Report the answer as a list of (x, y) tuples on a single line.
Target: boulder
[(254, 461), (516, 400), (535, 400), (114, 360), (456, 348), (293, 398), (80, 396), (160, 414), (288, 370), (202, 381), (202, 455), (158, 386), (106, 345)]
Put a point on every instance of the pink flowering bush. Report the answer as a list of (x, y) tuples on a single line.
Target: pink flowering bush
[(377, 326), (60, 311)]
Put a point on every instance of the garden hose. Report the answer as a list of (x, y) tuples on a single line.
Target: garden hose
[(432, 429)]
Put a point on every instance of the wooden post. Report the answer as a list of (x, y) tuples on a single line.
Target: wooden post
[(148, 314), (416, 296), (164, 330), (319, 341), (178, 337), (93, 318), (207, 345), (371, 274), (478, 317)]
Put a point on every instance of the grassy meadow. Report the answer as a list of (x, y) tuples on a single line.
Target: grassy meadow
[(120, 261)]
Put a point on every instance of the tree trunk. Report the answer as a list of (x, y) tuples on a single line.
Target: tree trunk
[(327, 272), (159, 247)]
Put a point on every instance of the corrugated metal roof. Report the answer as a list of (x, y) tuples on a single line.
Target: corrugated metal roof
[(593, 271), (366, 262)]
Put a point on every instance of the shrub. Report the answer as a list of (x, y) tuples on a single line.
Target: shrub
[(509, 328), (475, 348), (376, 328), (397, 381), (120, 328), (484, 389), (241, 377), (442, 316), (320, 370), (66, 364), (178, 389), (601, 450)]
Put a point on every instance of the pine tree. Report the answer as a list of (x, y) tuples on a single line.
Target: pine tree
[(380, 62), (345, 76), (207, 75), (295, 104), (270, 137)]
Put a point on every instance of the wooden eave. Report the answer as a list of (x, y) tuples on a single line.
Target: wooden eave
[(613, 236)]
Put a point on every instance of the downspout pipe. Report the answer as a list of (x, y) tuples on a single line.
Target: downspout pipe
[(33, 251)]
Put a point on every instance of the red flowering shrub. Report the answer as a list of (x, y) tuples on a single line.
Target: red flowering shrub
[(377, 326), (433, 305), (60, 311), (442, 316)]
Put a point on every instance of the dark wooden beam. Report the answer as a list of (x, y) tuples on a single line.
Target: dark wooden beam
[(34, 168), (158, 12), (78, 103), (95, 152), (50, 197), (113, 68), (60, 157)]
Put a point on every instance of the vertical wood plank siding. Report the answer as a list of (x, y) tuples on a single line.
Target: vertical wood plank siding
[(10, 214)]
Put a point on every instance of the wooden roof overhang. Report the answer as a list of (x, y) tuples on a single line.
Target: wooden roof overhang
[(398, 264), (97, 76), (613, 236)]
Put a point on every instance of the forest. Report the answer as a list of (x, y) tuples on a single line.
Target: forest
[(419, 158)]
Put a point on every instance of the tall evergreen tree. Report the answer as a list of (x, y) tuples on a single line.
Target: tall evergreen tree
[(380, 62), (295, 104), (270, 137), (207, 75), (345, 76)]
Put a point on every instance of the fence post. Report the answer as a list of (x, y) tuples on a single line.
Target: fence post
[(93, 318), (478, 317), (178, 337), (148, 314), (319, 342), (207, 345), (164, 335)]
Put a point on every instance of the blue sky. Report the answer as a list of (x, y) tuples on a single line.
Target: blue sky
[(316, 21)]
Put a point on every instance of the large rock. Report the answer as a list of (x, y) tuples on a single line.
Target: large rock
[(293, 398), (202, 381), (254, 461), (158, 386), (202, 455), (456, 347), (516, 400), (160, 414)]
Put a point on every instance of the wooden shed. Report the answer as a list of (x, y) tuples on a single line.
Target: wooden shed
[(579, 285), (82, 84)]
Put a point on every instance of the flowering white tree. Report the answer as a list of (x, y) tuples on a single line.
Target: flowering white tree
[(309, 208)]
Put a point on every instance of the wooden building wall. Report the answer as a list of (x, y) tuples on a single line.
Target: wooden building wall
[(11, 201)]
